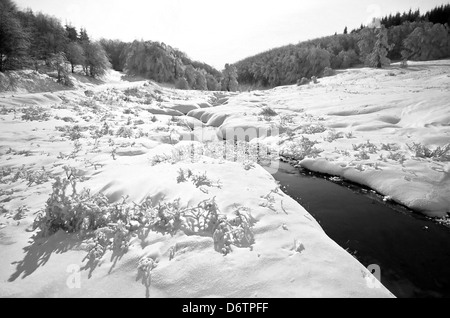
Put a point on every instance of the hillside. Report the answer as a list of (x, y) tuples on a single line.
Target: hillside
[(409, 36)]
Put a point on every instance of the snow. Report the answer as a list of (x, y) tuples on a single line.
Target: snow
[(131, 140), (362, 112)]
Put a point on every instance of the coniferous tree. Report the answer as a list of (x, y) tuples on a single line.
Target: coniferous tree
[(367, 38), (14, 40), (83, 37), (378, 57), (72, 33)]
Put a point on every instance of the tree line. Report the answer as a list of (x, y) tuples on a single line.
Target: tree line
[(37, 41), (163, 63), (408, 36), (41, 42), (29, 40)]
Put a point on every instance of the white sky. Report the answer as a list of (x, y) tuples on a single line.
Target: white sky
[(220, 31)]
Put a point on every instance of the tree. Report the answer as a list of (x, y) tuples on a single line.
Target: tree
[(181, 83), (13, 39), (49, 38), (378, 57), (318, 59), (345, 30), (83, 37), (200, 81), (115, 49), (348, 58), (96, 62), (211, 83), (229, 80), (189, 74), (72, 33), (58, 62), (75, 55), (426, 42)]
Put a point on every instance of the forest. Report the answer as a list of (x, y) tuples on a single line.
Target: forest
[(41, 42), (37, 41), (407, 36)]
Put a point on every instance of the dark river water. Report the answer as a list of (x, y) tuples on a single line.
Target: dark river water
[(412, 251)]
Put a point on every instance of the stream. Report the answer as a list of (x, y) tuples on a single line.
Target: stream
[(412, 251)]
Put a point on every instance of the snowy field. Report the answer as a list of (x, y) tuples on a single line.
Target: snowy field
[(121, 189)]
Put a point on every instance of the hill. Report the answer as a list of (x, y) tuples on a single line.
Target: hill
[(410, 36)]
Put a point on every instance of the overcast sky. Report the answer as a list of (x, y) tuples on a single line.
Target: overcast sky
[(220, 31)]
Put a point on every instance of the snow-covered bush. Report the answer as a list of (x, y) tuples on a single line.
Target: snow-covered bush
[(396, 156), (313, 129), (72, 132), (5, 111), (328, 71), (197, 179), (70, 211), (301, 148), (332, 136), (438, 154), (349, 135), (32, 176), (368, 146), (302, 81), (110, 226), (286, 119), (362, 155), (266, 111), (124, 132), (35, 113), (16, 215), (133, 91), (390, 147), (248, 164), (103, 131), (234, 231)]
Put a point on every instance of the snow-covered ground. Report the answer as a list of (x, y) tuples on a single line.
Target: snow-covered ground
[(387, 129), (195, 224)]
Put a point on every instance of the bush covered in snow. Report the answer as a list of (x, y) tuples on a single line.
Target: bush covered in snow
[(35, 113), (300, 149), (266, 111), (112, 225), (328, 71), (302, 81), (438, 154)]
